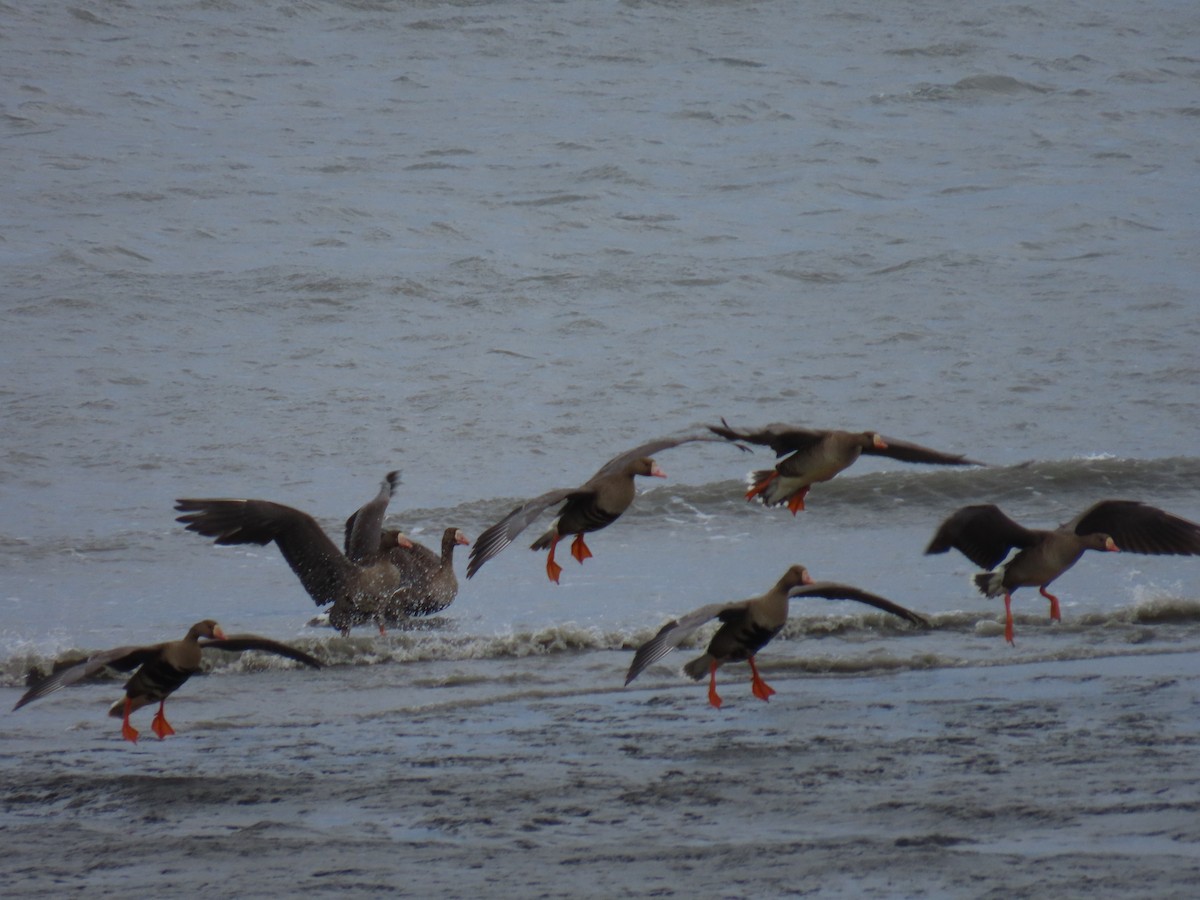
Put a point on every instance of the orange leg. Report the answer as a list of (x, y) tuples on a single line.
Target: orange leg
[(553, 569), (160, 725), (1054, 611), (761, 486), (128, 731), (796, 503), (1008, 619), (713, 698), (758, 687), (579, 549)]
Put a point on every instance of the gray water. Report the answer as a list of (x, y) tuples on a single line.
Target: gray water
[(278, 250)]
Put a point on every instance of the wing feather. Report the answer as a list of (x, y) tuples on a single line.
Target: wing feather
[(1140, 528), (239, 642), (833, 591), (673, 634), (122, 659), (780, 437), (906, 451), (495, 538), (322, 568), (983, 534)]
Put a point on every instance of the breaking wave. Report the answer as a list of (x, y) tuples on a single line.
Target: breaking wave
[(1164, 619)]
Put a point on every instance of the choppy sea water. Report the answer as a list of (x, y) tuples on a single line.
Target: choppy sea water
[(278, 251)]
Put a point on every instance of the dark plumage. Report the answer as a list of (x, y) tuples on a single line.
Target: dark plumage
[(429, 584), (595, 504), (817, 455), (161, 670), (748, 626), (362, 576), (986, 536)]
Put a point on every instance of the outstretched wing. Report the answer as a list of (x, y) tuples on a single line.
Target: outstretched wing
[(908, 452), (321, 567), (363, 527), (618, 463), (983, 534), (266, 645), (122, 659), (673, 634), (833, 591), (504, 532), (781, 438), (1140, 528)]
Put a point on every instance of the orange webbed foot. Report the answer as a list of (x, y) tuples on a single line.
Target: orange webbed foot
[(127, 730), (761, 486), (161, 726), (714, 699), (579, 549), (761, 690), (1055, 612), (1008, 619), (758, 687), (796, 503), (553, 569)]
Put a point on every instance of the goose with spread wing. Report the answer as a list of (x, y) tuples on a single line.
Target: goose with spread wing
[(362, 576), (161, 670), (595, 504), (986, 536), (748, 626), (814, 455)]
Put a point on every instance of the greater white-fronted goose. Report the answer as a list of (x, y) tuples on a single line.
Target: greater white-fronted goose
[(748, 626), (595, 504), (363, 575), (161, 670), (429, 581), (819, 455), (986, 536)]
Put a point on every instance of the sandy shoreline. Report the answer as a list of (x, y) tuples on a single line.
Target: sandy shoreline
[(1055, 779)]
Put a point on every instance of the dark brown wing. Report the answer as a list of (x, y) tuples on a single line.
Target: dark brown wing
[(500, 535), (983, 534), (1139, 528), (321, 567), (504, 532), (833, 591), (363, 527), (781, 438), (618, 463), (915, 453), (123, 659), (673, 633), (254, 642)]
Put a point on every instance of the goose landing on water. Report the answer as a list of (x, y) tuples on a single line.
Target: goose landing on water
[(162, 669), (814, 456), (748, 626), (986, 536)]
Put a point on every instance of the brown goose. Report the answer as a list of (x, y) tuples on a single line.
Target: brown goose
[(429, 581), (161, 670), (819, 456), (595, 504), (985, 535), (748, 626), (363, 575)]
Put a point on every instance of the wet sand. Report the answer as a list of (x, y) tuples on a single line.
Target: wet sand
[(1050, 779)]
